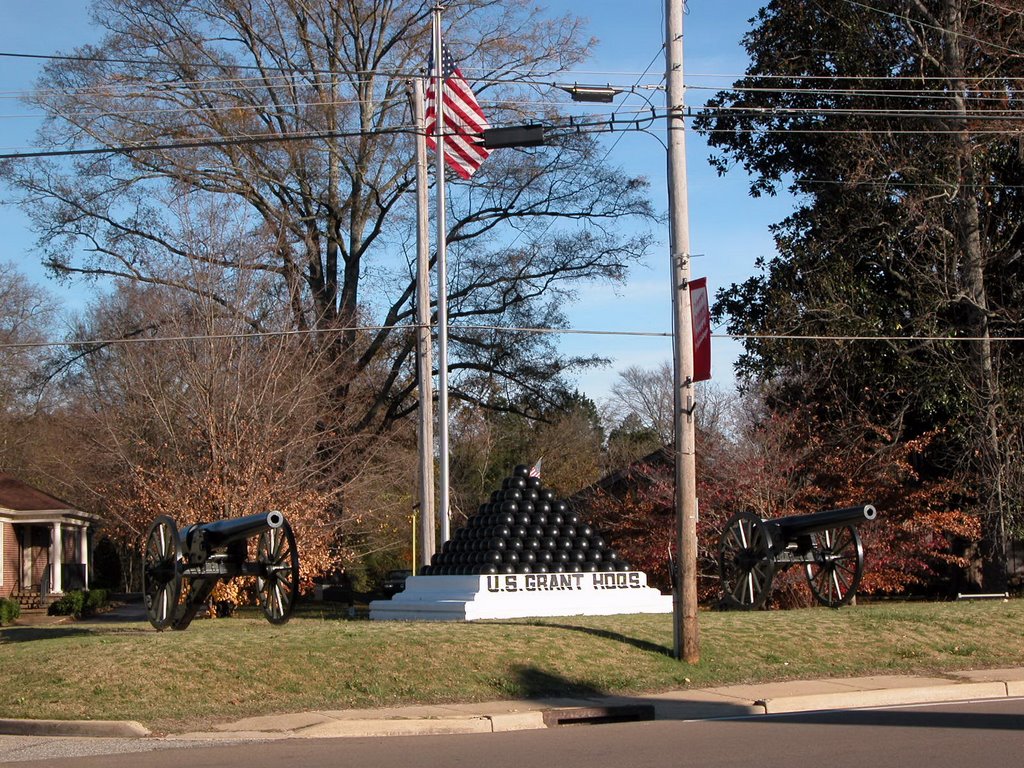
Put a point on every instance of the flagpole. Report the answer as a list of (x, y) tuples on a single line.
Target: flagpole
[(442, 281), (424, 353)]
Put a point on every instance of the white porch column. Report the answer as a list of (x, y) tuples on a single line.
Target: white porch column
[(56, 555), (83, 551)]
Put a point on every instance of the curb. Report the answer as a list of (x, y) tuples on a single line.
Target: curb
[(116, 729), (884, 697), (321, 725)]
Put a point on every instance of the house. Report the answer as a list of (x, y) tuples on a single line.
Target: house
[(38, 531)]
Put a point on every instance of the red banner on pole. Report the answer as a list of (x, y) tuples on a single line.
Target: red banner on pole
[(700, 322)]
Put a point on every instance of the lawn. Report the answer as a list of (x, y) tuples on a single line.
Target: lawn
[(225, 669)]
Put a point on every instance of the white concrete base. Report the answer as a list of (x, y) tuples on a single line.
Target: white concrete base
[(465, 598)]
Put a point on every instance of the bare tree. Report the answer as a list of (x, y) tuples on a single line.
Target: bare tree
[(297, 111)]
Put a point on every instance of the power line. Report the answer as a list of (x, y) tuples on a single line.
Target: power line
[(143, 340)]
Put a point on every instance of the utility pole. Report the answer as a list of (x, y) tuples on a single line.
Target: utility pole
[(687, 631), (424, 355)]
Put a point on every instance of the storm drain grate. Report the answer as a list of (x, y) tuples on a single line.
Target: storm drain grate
[(623, 713)]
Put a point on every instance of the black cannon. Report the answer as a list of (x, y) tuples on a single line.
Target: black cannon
[(751, 550), (180, 570)]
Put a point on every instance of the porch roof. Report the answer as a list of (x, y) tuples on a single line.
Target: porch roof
[(22, 503)]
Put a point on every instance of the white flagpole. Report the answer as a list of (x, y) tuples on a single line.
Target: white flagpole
[(424, 353), (442, 282)]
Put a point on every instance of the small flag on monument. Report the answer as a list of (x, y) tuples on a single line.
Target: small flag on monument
[(535, 469), (463, 120)]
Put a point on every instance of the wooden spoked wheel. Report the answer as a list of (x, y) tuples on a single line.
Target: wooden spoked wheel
[(838, 565), (161, 572), (278, 582), (746, 561)]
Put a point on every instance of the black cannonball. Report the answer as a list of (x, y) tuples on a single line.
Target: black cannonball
[(573, 568), (541, 568), (561, 556), (510, 556), (559, 506), (558, 568), (605, 566), (492, 556), (426, 570), (526, 506), (623, 565), (584, 530), (484, 509), (532, 543), (506, 519), (590, 567), (515, 482), (496, 496), (530, 494), (536, 531), (596, 542), (577, 556), (569, 531), (611, 555), (594, 556), (509, 508), (512, 494), (528, 556), (544, 556), (515, 544), (533, 482), (496, 544), (488, 568), (524, 568), (563, 542), (518, 531), (521, 470), (581, 543), (522, 518), (546, 494), (549, 544), (544, 508), (506, 568), (551, 531)]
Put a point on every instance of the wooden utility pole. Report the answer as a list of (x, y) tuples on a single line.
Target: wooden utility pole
[(687, 631), (424, 355)]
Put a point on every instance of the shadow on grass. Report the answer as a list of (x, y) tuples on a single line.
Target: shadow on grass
[(607, 634), (28, 634)]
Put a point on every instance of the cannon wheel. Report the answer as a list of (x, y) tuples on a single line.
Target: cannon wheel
[(162, 572), (838, 565), (746, 561), (279, 566)]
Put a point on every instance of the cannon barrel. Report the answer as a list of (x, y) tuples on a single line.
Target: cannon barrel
[(223, 532), (801, 525)]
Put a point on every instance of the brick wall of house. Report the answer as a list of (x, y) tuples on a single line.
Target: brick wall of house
[(9, 555)]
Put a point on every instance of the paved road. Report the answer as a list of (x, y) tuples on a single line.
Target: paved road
[(938, 736)]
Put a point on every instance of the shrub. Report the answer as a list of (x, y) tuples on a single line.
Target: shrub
[(69, 604), (78, 603), (9, 611)]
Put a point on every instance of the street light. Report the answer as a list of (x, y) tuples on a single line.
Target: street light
[(600, 94)]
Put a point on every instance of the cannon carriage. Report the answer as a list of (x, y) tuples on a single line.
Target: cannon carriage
[(752, 550), (181, 568)]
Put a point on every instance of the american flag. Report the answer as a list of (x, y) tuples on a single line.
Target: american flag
[(464, 121), (535, 469)]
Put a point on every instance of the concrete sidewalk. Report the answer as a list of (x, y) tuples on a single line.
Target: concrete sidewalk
[(503, 716), (702, 704)]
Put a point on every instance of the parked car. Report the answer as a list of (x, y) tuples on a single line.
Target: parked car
[(394, 582)]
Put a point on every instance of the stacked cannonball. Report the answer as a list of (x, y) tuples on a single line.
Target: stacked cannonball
[(524, 529)]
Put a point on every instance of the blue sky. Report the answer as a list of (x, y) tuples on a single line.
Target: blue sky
[(729, 230)]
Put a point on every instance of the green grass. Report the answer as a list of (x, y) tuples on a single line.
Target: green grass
[(222, 670)]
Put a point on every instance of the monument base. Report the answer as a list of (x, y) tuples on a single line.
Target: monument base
[(522, 595)]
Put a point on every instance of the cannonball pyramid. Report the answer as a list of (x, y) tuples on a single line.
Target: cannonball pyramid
[(524, 529)]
